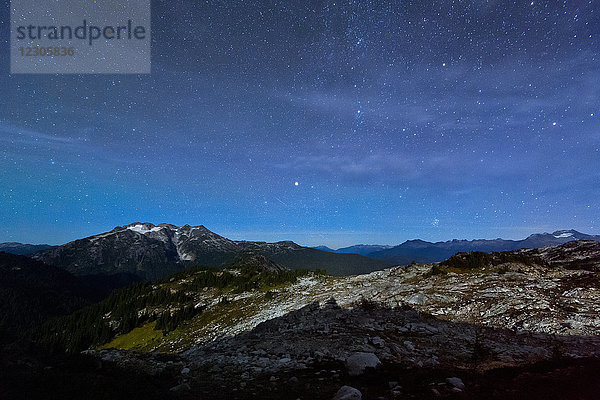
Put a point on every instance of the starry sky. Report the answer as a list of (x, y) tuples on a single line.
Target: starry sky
[(323, 122)]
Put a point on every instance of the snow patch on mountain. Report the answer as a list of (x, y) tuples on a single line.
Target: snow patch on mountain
[(184, 256), (564, 235), (143, 229)]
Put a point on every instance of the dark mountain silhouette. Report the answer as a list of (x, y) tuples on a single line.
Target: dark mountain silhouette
[(31, 292)]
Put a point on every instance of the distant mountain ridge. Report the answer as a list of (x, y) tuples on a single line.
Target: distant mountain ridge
[(151, 252), (324, 248), (422, 251), (23, 249), (362, 249)]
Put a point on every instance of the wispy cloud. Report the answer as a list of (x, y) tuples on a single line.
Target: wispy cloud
[(18, 135)]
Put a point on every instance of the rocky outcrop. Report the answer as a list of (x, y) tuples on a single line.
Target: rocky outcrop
[(313, 334), (339, 346), (578, 255)]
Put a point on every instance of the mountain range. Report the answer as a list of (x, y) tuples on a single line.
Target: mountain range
[(422, 251), (144, 251)]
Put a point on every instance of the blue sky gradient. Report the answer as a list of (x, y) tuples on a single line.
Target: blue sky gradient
[(398, 120)]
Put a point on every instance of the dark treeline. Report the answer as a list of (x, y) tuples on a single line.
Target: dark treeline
[(479, 259), (122, 311), (169, 320), (131, 307), (244, 280)]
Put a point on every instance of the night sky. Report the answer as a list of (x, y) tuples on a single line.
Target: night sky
[(322, 122)]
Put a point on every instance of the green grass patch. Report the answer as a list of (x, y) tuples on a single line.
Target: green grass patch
[(144, 338)]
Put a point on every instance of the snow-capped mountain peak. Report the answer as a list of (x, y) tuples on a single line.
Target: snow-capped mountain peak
[(150, 252), (143, 228)]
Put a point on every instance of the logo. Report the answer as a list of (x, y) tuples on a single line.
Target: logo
[(80, 36)]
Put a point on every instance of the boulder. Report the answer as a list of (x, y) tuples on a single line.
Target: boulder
[(357, 363), (348, 393), (417, 299), (456, 382)]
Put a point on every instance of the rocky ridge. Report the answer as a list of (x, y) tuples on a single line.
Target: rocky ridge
[(542, 299), (327, 332)]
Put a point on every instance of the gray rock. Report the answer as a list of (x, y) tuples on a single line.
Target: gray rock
[(184, 387), (456, 382), (185, 371), (357, 363), (348, 393), (417, 299), (110, 356)]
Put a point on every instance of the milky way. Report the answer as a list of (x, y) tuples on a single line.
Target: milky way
[(318, 121)]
